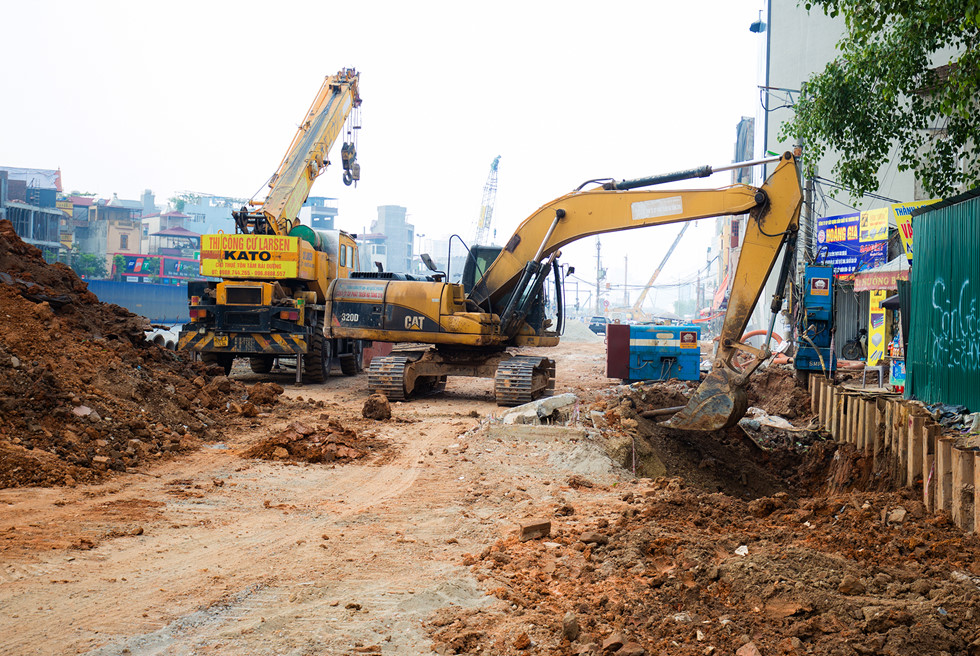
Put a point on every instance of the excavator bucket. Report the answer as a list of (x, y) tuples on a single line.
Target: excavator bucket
[(718, 403)]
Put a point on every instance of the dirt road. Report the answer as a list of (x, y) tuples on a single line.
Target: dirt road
[(412, 548), (213, 553)]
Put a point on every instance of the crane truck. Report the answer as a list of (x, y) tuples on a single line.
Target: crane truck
[(274, 271), (466, 328)]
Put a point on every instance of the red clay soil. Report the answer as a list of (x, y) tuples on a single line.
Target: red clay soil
[(775, 391), (325, 443), (673, 570), (82, 393)]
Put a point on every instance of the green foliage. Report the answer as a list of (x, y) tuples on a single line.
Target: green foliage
[(118, 266), (88, 265), (178, 203), (889, 85)]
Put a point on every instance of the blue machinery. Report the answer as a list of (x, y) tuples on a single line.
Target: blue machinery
[(816, 322), (653, 352)]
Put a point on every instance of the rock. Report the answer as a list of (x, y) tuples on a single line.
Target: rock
[(376, 407), (522, 641), (82, 411), (613, 643), (264, 393), (15, 362), (631, 649), (280, 453), (590, 537), (921, 587), (301, 428), (748, 649), (869, 613), (43, 311), (896, 516), (765, 506), (249, 410), (569, 627), (537, 412), (851, 585), (534, 529)]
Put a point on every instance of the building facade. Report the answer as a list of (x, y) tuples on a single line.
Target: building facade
[(399, 236)]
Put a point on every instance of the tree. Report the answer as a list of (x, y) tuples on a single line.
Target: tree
[(88, 265), (891, 85)]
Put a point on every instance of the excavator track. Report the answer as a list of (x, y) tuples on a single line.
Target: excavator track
[(386, 375), (523, 378)]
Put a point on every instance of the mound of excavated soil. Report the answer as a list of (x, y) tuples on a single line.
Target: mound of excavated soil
[(82, 393), (775, 391), (669, 569), (724, 461), (331, 442)]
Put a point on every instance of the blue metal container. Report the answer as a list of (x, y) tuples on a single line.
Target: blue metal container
[(658, 353), (816, 321)]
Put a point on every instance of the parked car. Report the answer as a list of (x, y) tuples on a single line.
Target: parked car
[(598, 325)]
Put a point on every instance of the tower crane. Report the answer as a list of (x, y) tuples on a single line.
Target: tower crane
[(486, 208)]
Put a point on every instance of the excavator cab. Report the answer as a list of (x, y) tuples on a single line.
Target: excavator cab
[(477, 262)]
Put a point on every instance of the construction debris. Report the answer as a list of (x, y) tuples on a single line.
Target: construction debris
[(82, 393)]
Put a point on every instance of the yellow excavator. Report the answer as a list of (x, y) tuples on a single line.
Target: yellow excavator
[(464, 329), (275, 271)]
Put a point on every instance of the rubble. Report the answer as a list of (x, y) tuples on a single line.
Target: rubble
[(327, 443), (816, 575), (552, 409)]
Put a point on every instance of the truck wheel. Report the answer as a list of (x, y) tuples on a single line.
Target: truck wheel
[(352, 364), (223, 360), (316, 364), (261, 364)]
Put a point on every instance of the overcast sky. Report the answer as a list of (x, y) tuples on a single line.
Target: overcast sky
[(205, 96)]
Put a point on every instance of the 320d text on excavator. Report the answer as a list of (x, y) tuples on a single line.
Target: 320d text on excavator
[(465, 329)]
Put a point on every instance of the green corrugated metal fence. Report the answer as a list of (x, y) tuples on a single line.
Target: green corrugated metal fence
[(943, 359)]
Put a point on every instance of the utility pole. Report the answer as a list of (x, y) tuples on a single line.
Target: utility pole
[(626, 281), (598, 276), (697, 298)]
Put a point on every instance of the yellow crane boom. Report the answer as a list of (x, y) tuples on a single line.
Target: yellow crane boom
[(306, 157)]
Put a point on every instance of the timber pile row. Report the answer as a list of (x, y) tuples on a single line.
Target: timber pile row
[(900, 439)]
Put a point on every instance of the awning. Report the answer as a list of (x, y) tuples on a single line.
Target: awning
[(177, 231), (885, 276), (891, 303)]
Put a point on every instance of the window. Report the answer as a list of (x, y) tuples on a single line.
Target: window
[(343, 255), (123, 242)]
